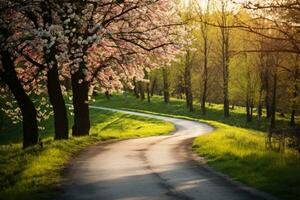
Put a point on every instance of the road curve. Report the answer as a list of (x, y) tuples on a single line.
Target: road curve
[(153, 168)]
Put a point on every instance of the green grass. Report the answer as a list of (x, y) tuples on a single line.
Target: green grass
[(177, 107), (35, 173), (241, 154), (236, 148)]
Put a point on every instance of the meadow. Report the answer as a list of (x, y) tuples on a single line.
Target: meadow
[(236, 148)]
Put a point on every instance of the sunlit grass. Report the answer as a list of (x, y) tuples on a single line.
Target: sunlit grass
[(119, 127), (177, 107), (242, 154), (236, 147), (35, 173)]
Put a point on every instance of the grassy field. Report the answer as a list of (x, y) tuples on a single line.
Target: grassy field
[(236, 147), (177, 107), (35, 173)]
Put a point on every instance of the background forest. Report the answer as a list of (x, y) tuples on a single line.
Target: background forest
[(246, 57)]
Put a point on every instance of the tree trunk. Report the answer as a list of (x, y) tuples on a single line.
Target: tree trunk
[(292, 121), (261, 69), (293, 113), (56, 98), (148, 93), (188, 82), (225, 93), (147, 87), (58, 103), (274, 99), (53, 84), (141, 90), (248, 110), (296, 76), (267, 97), (166, 86), (248, 97), (80, 89), (29, 114), (153, 86), (225, 89), (259, 106), (135, 90), (204, 28), (205, 78), (251, 111), (225, 59)]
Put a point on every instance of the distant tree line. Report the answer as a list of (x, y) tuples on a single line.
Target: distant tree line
[(243, 54)]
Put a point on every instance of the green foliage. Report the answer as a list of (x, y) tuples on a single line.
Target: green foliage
[(35, 173)]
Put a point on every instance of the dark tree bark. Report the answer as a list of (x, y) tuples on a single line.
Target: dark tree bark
[(274, 98), (249, 110), (267, 96), (141, 90), (204, 92), (261, 69), (29, 114), (248, 97), (225, 91), (180, 90), (295, 95), (292, 121), (260, 103), (225, 58), (148, 87), (80, 89), (53, 83), (259, 108), (135, 90), (166, 86), (153, 86), (58, 103), (204, 31), (266, 82), (188, 82), (148, 93), (56, 98)]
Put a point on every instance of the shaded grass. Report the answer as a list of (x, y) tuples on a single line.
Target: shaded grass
[(12, 133), (35, 173), (235, 148)]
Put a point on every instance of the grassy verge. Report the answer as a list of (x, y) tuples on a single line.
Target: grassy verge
[(236, 148), (35, 173), (241, 154)]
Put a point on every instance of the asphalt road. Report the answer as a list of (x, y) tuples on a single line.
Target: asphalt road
[(153, 168)]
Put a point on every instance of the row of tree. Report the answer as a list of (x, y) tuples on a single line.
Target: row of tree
[(50, 47), (240, 54)]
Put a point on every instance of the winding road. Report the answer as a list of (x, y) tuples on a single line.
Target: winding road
[(153, 168)]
